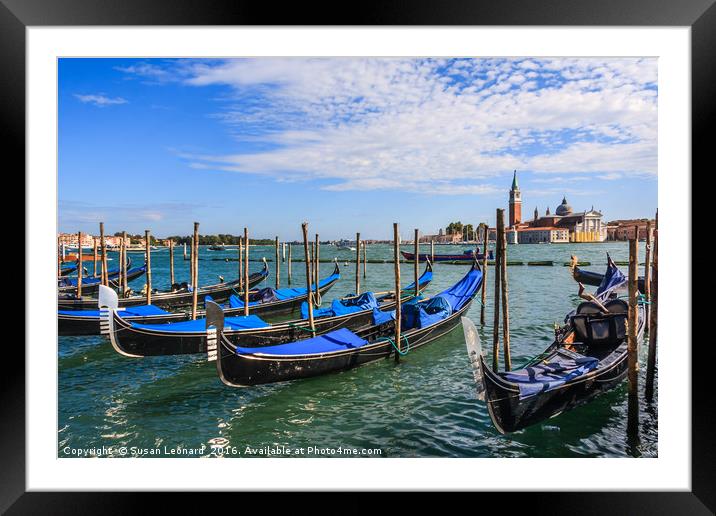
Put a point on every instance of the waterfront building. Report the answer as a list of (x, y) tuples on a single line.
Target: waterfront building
[(623, 229)]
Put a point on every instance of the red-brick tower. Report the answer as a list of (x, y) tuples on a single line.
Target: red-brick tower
[(515, 203)]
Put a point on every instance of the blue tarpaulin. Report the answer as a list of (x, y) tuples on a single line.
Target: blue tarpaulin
[(141, 310), (365, 301), (337, 340), (555, 371), (612, 278), (199, 325)]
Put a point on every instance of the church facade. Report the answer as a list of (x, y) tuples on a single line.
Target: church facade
[(561, 227)]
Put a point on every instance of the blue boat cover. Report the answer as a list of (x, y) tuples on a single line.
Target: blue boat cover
[(462, 291), (380, 317), (612, 278), (338, 340), (427, 313), (86, 282), (546, 376), (266, 295), (199, 325), (130, 311), (365, 301)]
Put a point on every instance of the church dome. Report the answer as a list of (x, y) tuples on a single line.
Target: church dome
[(564, 208)]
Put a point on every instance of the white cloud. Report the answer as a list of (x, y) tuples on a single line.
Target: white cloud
[(100, 100), (450, 125)]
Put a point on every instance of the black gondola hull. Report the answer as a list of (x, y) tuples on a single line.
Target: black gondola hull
[(239, 370), (595, 278)]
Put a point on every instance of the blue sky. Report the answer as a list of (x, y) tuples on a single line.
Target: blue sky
[(349, 144)]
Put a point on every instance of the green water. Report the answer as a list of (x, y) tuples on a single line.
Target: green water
[(423, 407)]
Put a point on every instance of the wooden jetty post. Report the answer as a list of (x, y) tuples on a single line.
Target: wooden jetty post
[(185, 257), (357, 263), (104, 280), (398, 310), (632, 345), (365, 259), (283, 252), (505, 299), (195, 270), (317, 269), (125, 287), (432, 251), (79, 264), (500, 217), (94, 258), (171, 262), (241, 263), (246, 271), (483, 291), (289, 263), (647, 274), (278, 265), (416, 262), (309, 291), (148, 251), (191, 261), (653, 315)]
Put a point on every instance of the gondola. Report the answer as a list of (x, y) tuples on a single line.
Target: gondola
[(467, 256), (135, 339), (594, 278), (90, 284), (339, 350), (66, 270), (66, 284), (179, 296), (588, 357), (87, 322)]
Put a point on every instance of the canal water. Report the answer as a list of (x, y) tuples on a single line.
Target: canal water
[(423, 407)]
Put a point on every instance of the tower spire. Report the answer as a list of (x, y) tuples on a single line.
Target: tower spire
[(515, 186)]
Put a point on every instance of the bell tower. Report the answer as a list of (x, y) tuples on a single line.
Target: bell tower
[(515, 202)]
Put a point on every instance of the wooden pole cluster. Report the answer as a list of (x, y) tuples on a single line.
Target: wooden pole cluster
[(309, 291), (79, 264), (195, 270), (501, 292), (278, 266), (148, 253), (632, 345), (125, 287), (94, 258), (171, 262), (289, 263), (104, 280), (483, 291), (398, 311), (246, 271), (416, 262), (357, 263), (653, 313)]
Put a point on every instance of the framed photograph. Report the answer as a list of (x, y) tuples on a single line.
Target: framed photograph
[(455, 238)]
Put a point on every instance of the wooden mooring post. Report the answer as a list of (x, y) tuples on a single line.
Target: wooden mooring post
[(104, 280), (632, 344), (416, 262), (195, 270), (483, 291), (191, 261), (396, 268), (498, 269), (79, 264), (505, 298), (241, 264), (246, 271), (317, 269), (125, 287), (289, 263), (432, 251), (148, 253), (278, 266), (653, 315), (357, 263), (185, 256), (647, 273), (171, 262), (94, 258), (309, 291)]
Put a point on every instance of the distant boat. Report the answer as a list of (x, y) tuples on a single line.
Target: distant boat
[(344, 245), (467, 256), (217, 247)]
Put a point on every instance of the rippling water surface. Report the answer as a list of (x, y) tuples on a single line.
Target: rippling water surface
[(423, 407)]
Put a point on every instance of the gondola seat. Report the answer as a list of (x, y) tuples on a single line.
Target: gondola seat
[(592, 326)]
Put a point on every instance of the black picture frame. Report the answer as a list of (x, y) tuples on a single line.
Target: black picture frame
[(700, 15)]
